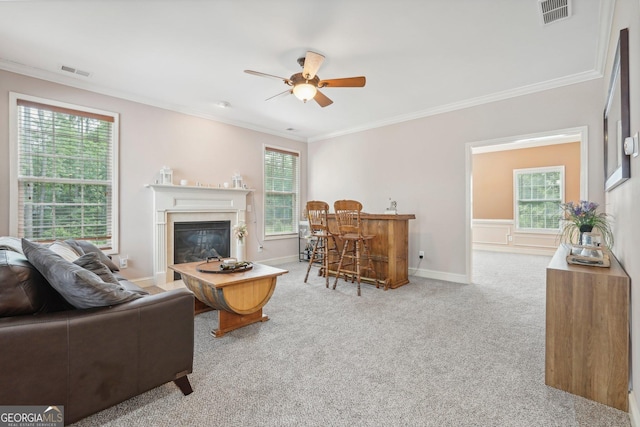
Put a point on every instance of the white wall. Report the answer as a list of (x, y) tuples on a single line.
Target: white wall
[(197, 149), (421, 164), (623, 203)]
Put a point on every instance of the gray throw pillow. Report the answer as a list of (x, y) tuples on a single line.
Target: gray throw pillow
[(91, 262), (85, 247), (79, 286)]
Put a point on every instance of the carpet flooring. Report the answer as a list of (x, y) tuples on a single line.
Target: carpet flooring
[(430, 353)]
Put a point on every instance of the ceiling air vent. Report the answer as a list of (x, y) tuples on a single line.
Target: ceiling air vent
[(75, 71), (554, 10)]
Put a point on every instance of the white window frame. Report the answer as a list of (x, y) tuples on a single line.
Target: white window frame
[(13, 161), (516, 197), (296, 207)]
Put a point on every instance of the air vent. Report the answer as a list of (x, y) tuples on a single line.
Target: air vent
[(75, 71), (554, 10)]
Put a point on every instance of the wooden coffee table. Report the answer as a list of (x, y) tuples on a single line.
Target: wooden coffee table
[(238, 297)]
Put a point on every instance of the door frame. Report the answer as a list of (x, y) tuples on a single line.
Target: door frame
[(520, 141)]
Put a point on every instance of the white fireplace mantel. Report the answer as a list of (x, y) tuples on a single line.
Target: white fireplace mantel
[(203, 203)]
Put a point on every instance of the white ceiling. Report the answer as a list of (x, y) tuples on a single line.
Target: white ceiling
[(420, 57)]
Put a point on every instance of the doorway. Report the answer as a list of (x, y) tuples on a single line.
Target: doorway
[(550, 138)]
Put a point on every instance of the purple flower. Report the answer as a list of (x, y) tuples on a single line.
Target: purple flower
[(583, 213)]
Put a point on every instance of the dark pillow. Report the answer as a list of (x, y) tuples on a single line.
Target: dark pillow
[(91, 262), (23, 290), (85, 247), (79, 286)]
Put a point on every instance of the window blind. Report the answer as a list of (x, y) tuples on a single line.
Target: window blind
[(65, 174), (539, 192), (281, 169)]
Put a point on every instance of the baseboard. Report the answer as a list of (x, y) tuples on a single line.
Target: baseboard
[(278, 261), (515, 249), (634, 412), (438, 275), (143, 282)]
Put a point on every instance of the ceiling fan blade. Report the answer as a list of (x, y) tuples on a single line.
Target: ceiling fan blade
[(345, 82), (322, 99), (312, 63), (286, 92), (258, 73)]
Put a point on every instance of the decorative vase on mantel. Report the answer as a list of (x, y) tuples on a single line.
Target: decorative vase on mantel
[(584, 228), (240, 250)]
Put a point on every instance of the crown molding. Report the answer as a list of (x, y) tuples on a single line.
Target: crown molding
[(498, 96), (473, 102), (77, 83)]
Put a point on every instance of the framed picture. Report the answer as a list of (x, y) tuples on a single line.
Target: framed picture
[(617, 126)]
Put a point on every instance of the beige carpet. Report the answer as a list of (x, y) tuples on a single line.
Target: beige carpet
[(430, 353)]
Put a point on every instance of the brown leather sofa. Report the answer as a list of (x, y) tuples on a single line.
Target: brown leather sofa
[(87, 359)]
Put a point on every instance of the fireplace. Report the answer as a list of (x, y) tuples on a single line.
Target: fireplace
[(174, 205), (199, 240)]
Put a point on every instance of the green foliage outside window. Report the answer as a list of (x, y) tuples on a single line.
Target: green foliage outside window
[(538, 196), (281, 192), (65, 175)]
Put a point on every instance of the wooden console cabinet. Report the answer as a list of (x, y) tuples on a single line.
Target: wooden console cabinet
[(587, 330)]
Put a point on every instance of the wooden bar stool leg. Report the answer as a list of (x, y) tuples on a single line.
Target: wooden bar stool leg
[(325, 262), (344, 251), (370, 266), (358, 266), (328, 250)]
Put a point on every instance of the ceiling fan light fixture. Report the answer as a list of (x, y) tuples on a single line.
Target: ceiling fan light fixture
[(305, 85), (304, 91)]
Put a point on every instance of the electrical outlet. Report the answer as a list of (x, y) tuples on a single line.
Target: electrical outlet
[(260, 248), (124, 261), (421, 254)]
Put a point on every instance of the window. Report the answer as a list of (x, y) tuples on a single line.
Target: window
[(64, 182), (281, 191), (538, 194)]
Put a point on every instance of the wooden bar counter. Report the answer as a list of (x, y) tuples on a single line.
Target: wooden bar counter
[(390, 248), (587, 330)]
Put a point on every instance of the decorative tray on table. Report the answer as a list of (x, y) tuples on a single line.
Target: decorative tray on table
[(223, 266), (593, 256)]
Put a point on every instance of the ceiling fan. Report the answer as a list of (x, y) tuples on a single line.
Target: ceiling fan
[(305, 85)]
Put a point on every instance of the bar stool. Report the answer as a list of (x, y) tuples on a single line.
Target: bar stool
[(355, 246), (319, 229)]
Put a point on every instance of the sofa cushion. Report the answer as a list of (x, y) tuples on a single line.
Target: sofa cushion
[(130, 286), (23, 290), (85, 247), (91, 262), (79, 286)]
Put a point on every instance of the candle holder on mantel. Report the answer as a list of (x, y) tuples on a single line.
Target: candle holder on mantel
[(166, 175), (237, 180)]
